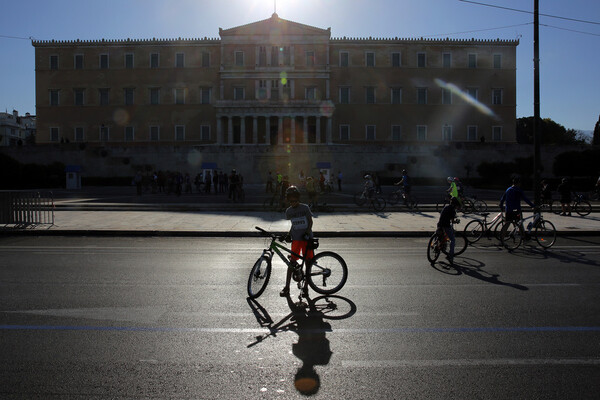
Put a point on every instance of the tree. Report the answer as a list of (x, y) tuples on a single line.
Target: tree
[(552, 132), (596, 137)]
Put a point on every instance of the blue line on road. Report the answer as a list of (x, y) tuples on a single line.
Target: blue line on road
[(341, 330)]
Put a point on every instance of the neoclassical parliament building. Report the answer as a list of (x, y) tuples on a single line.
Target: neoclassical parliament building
[(276, 84)]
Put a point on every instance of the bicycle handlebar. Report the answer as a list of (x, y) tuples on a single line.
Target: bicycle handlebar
[(272, 235)]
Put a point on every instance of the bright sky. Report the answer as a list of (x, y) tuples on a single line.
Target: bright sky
[(569, 50)]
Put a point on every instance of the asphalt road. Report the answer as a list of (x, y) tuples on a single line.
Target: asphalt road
[(86, 318)]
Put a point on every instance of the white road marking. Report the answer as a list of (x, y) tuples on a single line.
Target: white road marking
[(469, 362)]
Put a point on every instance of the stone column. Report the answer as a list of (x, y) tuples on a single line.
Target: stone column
[(280, 131), (219, 130), (230, 130), (254, 129), (293, 130), (268, 130), (329, 131), (243, 129), (318, 126), (305, 126)]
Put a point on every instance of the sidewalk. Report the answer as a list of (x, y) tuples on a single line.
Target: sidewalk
[(110, 212)]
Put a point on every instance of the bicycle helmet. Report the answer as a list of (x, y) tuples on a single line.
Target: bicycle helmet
[(450, 179), (367, 176), (292, 191)]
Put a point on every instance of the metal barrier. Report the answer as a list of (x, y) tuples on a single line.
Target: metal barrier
[(26, 208)]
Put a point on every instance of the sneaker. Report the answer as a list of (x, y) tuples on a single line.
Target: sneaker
[(285, 292)]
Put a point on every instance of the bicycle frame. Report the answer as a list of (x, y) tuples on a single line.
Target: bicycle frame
[(276, 248)]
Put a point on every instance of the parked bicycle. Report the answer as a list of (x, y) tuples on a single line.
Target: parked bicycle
[(400, 196), (440, 243), (377, 202), (542, 230), (476, 228), (579, 205), (325, 273)]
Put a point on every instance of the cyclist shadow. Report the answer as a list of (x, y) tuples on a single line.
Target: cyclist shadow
[(474, 269), (307, 319)]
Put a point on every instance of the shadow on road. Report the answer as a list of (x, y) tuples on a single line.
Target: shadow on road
[(307, 319)]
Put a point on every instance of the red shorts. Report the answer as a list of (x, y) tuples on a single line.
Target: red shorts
[(299, 247)]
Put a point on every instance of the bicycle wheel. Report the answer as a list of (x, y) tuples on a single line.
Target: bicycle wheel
[(583, 208), (259, 277), (433, 249), (360, 199), (378, 203), (460, 243), (327, 272), (394, 198), (556, 207), (545, 234), (513, 236), (468, 206), (473, 231), (498, 229), (479, 206)]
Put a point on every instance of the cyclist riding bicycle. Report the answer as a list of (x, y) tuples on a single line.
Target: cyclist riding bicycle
[(405, 182), (369, 186), (447, 215), (300, 232), (513, 197), (453, 190)]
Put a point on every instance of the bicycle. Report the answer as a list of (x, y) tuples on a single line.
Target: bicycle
[(440, 242), (408, 200), (467, 204), (377, 202), (325, 268), (579, 205), (515, 233), (476, 228)]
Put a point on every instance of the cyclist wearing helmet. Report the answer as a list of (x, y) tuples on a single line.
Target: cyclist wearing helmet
[(300, 232), (405, 182), (447, 215)]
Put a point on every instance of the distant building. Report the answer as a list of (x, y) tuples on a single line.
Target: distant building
[(276, 82), (16, 130)]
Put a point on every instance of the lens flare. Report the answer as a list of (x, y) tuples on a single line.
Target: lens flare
[(467, 98)]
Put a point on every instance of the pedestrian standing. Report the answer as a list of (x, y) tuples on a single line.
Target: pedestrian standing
[(339, 177)]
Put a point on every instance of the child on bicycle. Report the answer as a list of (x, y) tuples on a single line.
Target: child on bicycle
[(300, 232), (447, 215)]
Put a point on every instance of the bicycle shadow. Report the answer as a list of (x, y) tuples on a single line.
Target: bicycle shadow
[(563, 256), (307, 319), (474, 269)]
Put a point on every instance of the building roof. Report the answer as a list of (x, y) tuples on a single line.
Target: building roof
[(266, 26)]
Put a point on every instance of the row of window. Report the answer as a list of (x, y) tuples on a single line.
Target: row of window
[(153, 133), (129, 134), (273, 92), (279, 56)]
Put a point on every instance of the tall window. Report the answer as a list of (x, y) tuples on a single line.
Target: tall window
[(311, 93), (396, 132), (370, 132), (472, 133), (446, 60), (421, 60), (262, 89), (179, 133), (179, 60), (104, 133), (238, 93), (421, 95), (103, 96), (79, 96), (275, 56), (446, 96), (472, 61), (370, 94), (79, 134), (473, 92), (344, 95), (154, 133), (154, 59), (239, 58), (205, 59), (262, 56), (180, 96), (421, 133), (343, 58), (497, 133), (128, 93), (496, 96), (497, 61), (447, 133), (53, 62), (129, 134), (103, 61), (78, 61), (396, 96), (205, 95), (54, 97), (344, 133), (370, 59), (54, 133), (154, 96), (310, 58), (396, 60), (205, 133), (287, 90), (287, 55), (275, 89), (129, 60)]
